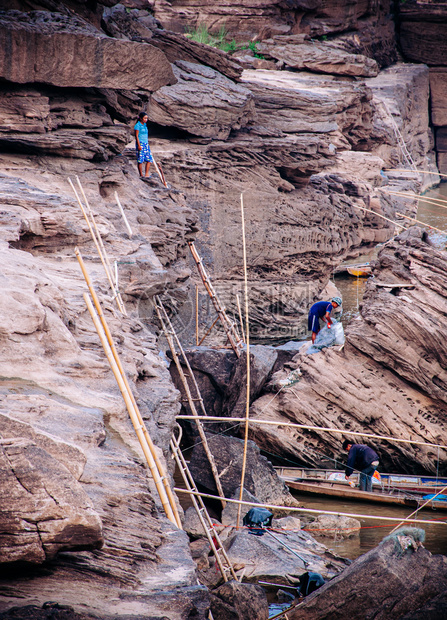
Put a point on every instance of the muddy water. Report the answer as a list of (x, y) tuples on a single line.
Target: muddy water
[(373, 532)]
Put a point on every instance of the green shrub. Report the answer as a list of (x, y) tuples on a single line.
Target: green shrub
[(201, 34)]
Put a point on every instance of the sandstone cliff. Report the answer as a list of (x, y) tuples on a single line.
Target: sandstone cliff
[(306, 148)]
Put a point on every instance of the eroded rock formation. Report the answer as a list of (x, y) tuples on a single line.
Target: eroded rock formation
[(307, 151), (389, 377), (411, 582), (422, 27)]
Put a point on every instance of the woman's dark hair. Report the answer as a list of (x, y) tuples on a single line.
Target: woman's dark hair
[(346, 443), (141, 115)]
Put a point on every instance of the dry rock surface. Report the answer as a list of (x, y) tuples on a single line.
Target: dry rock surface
[(389, 378), (307, 149), (411, 582)]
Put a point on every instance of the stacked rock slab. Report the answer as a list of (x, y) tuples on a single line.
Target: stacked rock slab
[(422, 36)]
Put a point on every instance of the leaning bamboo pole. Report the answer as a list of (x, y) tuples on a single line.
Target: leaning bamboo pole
[(378, 215), (438, 202), (123, 215), (131, 410), (240, 317), (97, 245), (150, 443), (419, 171), (407, 217), (209, 330), (197, 315), (116, 292), (418, 509), (247, 342), (308, 427), (169, 332), (311, 510)]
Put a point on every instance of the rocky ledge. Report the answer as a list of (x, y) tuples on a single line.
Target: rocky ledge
[(388, 379)]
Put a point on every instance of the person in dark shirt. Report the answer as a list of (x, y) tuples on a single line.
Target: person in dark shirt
[(363, 459), (321, 310)]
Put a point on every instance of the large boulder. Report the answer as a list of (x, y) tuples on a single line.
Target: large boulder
[(281, 557), (202, 102), (239, 601), (119, 22), (260, 479), (298, 52), (393, 580), (262, 360), (295, 102), (44, 509), (51, 48)]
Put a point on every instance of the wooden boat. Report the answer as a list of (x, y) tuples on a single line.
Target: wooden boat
[(394, 489), (361, 271)]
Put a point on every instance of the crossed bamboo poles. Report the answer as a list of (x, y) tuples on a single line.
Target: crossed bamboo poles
[(155, 466), (97, 240), (147, 445)]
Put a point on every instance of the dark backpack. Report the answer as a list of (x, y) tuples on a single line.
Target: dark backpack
[(309, 582)]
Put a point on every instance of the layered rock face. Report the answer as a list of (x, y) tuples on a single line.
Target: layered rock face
[(76, 477), (388, 378), (307, 165), (306, 151), (422, 36), (367, 26)]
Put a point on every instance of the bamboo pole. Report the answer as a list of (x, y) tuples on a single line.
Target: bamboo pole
[(240, 317), (197, 315), (202, 512), (210, 329), (229, 326), (96, 242), (419, 197), (160, 172), (378, 215), (418, 509), (116, 292), (311, 510), (318, 428), (423, 223), (159, 309), (247, 341), (148, 438), (419, 171), (131, 409), (438, 202), (123, 215)]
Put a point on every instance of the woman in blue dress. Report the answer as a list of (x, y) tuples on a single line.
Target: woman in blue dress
[(142, 144)]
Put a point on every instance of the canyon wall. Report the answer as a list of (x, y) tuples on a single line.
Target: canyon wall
[(310, 144)]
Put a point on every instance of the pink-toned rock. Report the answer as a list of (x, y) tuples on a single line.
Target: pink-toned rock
[(438, 95), (202, 102), (44, 509), (295, 52), (390, 377), (75, 54)]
